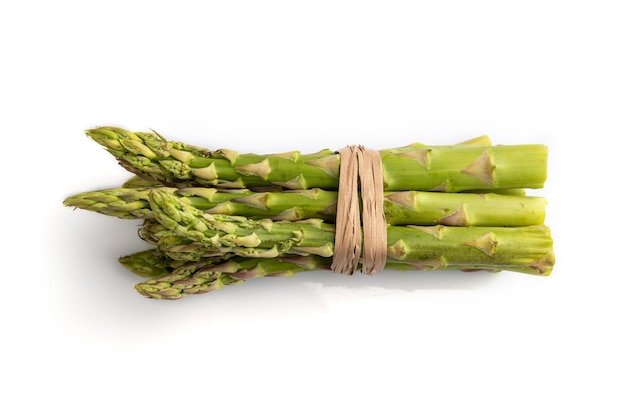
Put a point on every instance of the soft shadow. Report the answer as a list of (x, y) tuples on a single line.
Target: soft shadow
[(98, 291), (403, 280)]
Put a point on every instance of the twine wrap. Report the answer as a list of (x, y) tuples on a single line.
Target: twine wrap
[(360, 168)]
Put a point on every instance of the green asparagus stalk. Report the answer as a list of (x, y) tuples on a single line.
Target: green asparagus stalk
[(138, 182), (215, 273), (415, 167), (153, 263), (522, 249), (400, 208)]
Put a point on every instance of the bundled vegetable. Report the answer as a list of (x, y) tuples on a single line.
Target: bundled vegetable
[(217, 218)]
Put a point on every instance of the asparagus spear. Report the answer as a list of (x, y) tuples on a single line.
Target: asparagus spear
[(400, 208), (153, 263), (414, 167), (523, 249), (215, 273), (139, 182)]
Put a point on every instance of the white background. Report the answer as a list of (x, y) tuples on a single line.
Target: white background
[(272, 76)]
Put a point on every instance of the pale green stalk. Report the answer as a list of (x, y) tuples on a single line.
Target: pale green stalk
[(415, 167), (214, 273), (400, 208)]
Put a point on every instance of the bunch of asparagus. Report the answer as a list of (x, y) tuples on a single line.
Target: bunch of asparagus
[(216, 218)]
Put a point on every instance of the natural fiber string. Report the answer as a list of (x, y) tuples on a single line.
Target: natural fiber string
[(347, 252), (359, 163), (374, 221)]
